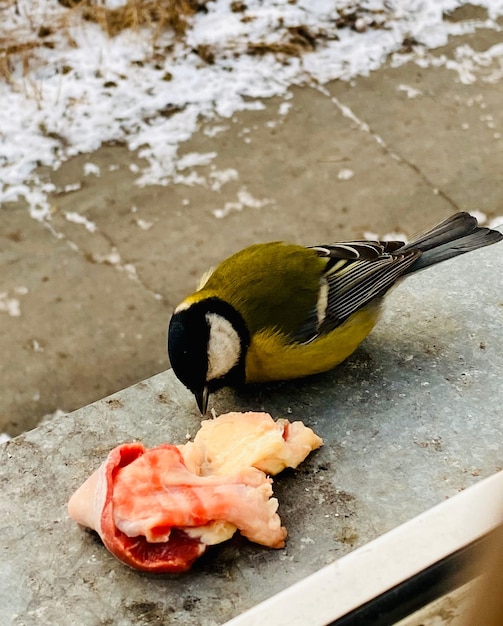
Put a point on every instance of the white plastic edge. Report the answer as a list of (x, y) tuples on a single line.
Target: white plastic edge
[(379, 565)]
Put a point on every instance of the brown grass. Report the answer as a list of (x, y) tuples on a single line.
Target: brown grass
[(162, 14), (159, 15), (297, 40)]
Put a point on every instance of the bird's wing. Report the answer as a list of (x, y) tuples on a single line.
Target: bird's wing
[(356, 273), (357, 250)]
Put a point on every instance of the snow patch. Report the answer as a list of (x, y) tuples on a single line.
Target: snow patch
[(9, 303), (77, 218), (245, 200), (153, 94), (92, 169), (345, 174), (410, 92), (144, 224), (219, 178)]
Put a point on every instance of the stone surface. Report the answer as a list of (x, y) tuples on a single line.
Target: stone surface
[(411, 418)]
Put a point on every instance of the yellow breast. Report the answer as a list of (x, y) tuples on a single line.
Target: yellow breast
[(270, 358)]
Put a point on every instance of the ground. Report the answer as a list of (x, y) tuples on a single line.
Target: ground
[(83, 314)]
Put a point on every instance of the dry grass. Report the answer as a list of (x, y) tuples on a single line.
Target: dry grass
[(12, 50), (21, 42), (297, 39), (162, 14)]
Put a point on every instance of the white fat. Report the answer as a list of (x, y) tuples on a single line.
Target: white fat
[(321, 305), (224, 346), (212, 533)]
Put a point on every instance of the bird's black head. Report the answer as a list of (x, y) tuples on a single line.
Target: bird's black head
[(207, 343)]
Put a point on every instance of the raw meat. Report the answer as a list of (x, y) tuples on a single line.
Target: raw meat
[(157, 510), (236, 440)]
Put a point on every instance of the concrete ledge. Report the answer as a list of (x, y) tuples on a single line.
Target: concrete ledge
[(411, 419)]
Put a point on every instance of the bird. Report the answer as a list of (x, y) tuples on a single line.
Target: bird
[(280, 311)]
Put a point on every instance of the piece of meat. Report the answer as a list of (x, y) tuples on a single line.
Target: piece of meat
[(156, 493), (157, 510), (235, 440), (92, 506)]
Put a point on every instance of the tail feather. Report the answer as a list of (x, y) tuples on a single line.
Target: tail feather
[(456, 235)]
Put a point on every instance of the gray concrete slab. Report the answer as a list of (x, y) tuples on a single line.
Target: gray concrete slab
[(97, 303), (445, 124), (412, 418)]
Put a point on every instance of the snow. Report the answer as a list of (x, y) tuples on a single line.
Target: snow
[(152, 91), (144, 224), (9, 303), (469, 64), (411, 92), (219, 178), (77, 218), (244, 200), (345, 174)]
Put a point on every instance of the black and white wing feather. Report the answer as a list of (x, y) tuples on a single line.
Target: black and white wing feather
[(356, 273), (359, 271)]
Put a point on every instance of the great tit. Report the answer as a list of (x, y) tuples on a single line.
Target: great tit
[(278, 311)]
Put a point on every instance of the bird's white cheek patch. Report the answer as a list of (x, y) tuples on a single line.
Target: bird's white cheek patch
[(224, 346)]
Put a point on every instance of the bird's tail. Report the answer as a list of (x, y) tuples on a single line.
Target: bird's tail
[(456, 235)]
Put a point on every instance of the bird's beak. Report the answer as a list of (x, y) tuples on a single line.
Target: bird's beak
[(202, 400)]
